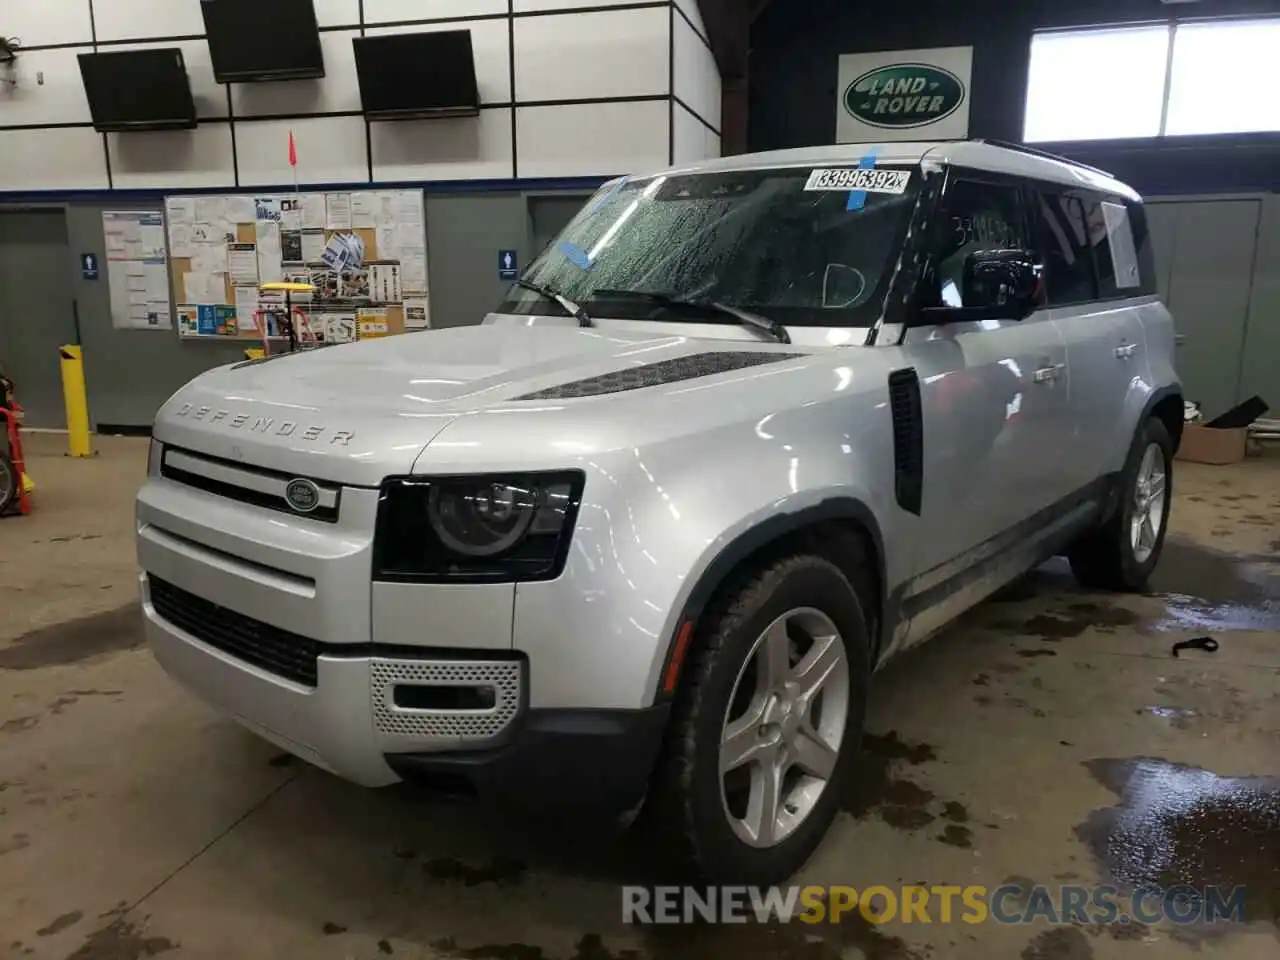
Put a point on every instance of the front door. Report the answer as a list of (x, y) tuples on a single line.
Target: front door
[(994, 403), (35, 310)]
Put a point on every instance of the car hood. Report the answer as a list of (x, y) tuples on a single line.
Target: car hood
[(356, 414)]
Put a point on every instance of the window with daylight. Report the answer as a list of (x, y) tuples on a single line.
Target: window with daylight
[(1220, 71), (1096, 84), (1176, 79)]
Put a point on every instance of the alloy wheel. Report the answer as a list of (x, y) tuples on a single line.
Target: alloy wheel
[(1149, 503)]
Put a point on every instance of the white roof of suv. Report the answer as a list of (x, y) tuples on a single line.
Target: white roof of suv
[(974, 154)]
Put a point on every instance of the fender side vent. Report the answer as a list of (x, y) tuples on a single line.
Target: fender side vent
[(908, 439), (659, 374)]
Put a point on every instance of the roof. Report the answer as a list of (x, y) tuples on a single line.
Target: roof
[(975, 154)]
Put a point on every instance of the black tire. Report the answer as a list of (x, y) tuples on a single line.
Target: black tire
[(685, 807), (1105, 558), (9, 481)]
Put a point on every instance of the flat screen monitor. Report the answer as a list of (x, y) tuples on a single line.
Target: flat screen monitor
[(252, 40), (417, 75), (138, 90)]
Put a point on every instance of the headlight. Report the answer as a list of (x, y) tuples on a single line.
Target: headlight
[(490, 528)]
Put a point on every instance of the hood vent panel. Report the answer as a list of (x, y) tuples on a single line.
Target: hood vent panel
[(659, 374)]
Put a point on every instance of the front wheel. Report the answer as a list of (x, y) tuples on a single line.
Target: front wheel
[(1124, 551), (768, 718), (10, 484)]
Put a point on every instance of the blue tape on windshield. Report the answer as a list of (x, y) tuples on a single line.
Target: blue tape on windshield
[(576, 255), (858, 198)]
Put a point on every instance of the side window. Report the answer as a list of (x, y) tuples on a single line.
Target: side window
[(1064, 240), (1142, 244), (977, 216), (1114, 249)]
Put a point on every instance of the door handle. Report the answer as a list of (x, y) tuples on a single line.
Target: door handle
[(1179, 339), (1048, 374), (1126, 350)]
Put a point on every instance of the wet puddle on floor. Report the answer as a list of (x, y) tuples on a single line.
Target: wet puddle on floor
[(1212, 591), (1176, 825)]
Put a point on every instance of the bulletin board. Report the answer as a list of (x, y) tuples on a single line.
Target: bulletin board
[(221, 248)]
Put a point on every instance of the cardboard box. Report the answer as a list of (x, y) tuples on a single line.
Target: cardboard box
[(1201, 444)]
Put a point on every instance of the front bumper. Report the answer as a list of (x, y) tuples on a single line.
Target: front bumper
[(349, 724)]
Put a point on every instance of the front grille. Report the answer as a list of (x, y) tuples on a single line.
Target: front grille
[(503, 677), (269, 648), (271, 496)]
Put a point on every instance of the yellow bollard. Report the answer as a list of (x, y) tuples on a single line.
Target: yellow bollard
[(77, 403)]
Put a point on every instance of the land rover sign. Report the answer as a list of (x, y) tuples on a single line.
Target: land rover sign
[(904, 95)]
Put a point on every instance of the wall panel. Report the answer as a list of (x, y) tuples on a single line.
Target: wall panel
[(41, 22), (382, 11), (584, 56), (60, 99), (609, 138), (172, 158), (697, 80), (68, 158), (466, 148), (339, 91), (330, 150), (143, 19), (337, 13)]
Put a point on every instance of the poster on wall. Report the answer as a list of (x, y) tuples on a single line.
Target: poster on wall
[(137, 270), (904, 95)]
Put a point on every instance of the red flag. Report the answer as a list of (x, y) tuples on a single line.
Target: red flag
[(293, 151)]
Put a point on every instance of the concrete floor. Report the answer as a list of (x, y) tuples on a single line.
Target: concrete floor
[(134, 822)]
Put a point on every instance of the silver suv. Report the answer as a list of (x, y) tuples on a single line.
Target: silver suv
[(744, 432)]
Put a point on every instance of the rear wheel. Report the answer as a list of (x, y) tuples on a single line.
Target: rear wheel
[(768, 717), (1124, 551)]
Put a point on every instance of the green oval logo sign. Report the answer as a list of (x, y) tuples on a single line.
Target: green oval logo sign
[(904, 95)]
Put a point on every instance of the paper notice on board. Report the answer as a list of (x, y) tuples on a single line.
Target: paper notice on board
[(290, 246), (338, 211), (364, 210), (209, 258), (267, 209), (291, 213), (409, 207), (338, 327), (240, 210), (413, 274), (188, 320), (182, 211), (246, 309), (269, 252), (157, 276), (313, 246), (180, 242), (242, 260), (211, 210), (417, 314), (205, 287), (314, 212), (385, 238)]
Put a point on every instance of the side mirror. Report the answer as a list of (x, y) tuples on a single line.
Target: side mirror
[(996, 285), (1005, 280)]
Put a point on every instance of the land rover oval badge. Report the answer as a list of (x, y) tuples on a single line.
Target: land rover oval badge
[(302, 495), (904, 95)]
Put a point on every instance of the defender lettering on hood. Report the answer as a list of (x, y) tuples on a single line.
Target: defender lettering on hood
[(313, 433)]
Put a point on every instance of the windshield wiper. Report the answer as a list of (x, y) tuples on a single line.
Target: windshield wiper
[(571, 308), (744, 317)]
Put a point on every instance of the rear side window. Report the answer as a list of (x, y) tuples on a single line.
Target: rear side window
[(1064, 240), (1142, 244)]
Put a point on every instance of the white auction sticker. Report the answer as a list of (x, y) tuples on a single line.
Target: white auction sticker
[(866, 179)]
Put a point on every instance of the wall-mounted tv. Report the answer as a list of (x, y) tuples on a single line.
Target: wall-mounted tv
[(263, 40), (408, 76), (138, 90)]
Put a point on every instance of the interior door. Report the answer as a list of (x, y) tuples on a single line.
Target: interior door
[(36, 313), (1209, 288)]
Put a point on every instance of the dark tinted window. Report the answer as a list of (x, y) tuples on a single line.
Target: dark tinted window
[(1064, 241), (976, 216), (1142, 244)]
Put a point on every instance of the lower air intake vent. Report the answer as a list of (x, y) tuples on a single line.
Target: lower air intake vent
[(658, 374), (908, 439)]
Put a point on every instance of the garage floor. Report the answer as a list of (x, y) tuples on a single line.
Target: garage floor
[(134, 823)]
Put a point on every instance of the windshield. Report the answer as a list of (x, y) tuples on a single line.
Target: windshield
[(793, 245)]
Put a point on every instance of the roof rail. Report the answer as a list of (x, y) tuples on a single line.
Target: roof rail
[(1032, 151)]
